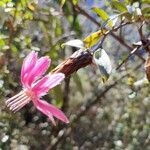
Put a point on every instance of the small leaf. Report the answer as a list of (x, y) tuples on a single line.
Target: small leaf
[(103, 15), (147, 68), (74, 43), (146, 2), (134, 10), (93, 38), (131, 9), (119, 6), (114, 19), (103, 62), (146, 12), (58, 96), (130, 80), (2, 4), (132, 95), (141, 82), (78, 82), (31, 6), (3, 17), (75, 2), (62, 3), (2, 43), (138, 12)]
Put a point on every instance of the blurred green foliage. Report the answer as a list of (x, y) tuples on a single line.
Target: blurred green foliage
[(121, 119)]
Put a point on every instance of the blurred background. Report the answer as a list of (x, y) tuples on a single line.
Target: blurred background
[(103, 116)]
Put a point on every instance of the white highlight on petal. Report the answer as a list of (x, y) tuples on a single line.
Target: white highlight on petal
[(18, 101), (14, 97), (22, 104)]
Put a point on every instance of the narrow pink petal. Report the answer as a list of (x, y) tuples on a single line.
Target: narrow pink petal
[(50, 110), (44, 111), (28, 63), (39, 69), (47, 82)]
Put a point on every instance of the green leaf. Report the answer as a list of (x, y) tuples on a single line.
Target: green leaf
[(146, 12), (146, 2), (2, 4), (2, 43), (93, 38), (58, 95), (78, 82), (75, 2), (119, 6), (62, 2), (101, 13)]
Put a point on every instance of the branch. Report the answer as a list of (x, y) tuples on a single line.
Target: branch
[(66, 94), (132, 52), (125, 60), (77, 60), (84, 13)]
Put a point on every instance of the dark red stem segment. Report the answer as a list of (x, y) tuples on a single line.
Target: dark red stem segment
[(77, 60)]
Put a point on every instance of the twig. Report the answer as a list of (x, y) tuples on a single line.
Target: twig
[(131, 53), (127, 46), (99, 45), (77, 60), (66, 94), (83, 12)]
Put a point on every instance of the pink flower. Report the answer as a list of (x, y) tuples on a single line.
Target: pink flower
[(35, 85)]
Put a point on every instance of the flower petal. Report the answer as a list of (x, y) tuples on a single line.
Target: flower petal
[(47, 82), (39, 69), (50, 110), (28, 63)]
